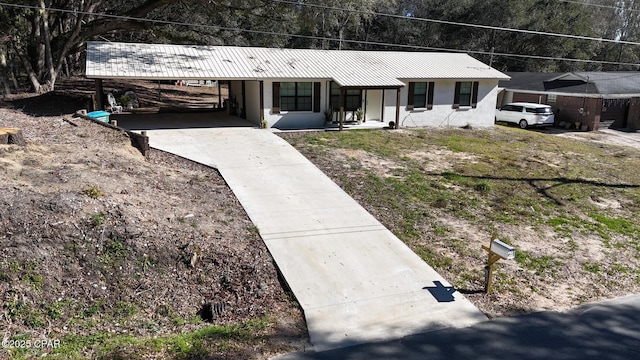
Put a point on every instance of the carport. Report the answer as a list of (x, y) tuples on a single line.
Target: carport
[(179, 65), (178, 120)]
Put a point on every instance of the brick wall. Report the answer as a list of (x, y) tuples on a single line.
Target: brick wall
[(633, 120), (567, 109)]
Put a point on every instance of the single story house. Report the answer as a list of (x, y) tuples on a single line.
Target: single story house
[(296, 88), (592, 100)]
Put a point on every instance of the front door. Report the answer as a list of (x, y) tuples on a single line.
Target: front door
[(374, 105)]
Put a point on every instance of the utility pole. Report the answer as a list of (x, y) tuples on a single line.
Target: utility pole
[(491, 58)]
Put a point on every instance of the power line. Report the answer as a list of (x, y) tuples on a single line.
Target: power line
[(455, 23), (360, 42)]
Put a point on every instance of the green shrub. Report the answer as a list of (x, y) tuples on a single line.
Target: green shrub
[(93, 192)]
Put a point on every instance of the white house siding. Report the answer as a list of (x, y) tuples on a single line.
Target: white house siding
[(443, 114), (294, 119)]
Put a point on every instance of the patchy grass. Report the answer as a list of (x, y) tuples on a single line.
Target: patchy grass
[(568, 206), (206, 342), (98, 219), (541, 265)]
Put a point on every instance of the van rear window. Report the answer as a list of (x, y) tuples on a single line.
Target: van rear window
[(544, 110)]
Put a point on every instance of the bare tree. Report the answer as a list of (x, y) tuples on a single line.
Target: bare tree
[(43, 34)]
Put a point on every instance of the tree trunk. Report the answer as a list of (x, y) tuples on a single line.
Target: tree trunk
[(4, 82), (39, 46), (4, 71), (12, 136), (33, 77), (51, 72)]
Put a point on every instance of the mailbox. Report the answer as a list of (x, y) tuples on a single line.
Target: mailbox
[(503, 250), (497, 250)]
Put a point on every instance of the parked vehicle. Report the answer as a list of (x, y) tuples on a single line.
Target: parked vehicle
[(525, 114)]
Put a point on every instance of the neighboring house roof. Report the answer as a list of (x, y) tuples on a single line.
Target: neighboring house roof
[(106, 60), (586, 82)]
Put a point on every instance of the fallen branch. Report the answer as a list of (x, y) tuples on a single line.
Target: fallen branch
[(69, 121)]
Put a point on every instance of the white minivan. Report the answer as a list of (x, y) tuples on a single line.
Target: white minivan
[(525, 114)]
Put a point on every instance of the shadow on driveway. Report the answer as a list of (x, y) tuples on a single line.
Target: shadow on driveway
[(601, 331), (179, 120)]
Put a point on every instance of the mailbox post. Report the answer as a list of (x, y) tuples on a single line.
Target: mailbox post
[(497, 250)]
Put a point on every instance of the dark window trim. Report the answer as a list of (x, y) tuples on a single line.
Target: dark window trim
[(474, 94), (428, 96), (275, 108), (473, 98), (316, 96)]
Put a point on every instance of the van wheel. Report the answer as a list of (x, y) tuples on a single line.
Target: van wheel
[(523, 124)]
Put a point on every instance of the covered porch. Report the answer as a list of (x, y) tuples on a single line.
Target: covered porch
[(371, 92)]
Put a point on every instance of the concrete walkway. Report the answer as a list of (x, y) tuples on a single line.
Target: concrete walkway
[(355, 280)]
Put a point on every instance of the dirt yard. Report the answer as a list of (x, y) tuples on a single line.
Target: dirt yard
[(99, 242)]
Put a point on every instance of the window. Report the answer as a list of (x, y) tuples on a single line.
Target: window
[(420, 95), (515, 108), (352, 98), (540, 110), (334, 101), (296, 96), (466, 94), (551, 99)]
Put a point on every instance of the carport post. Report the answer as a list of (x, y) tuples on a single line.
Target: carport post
[(261, 100), (98, 97), (397, 108), (243, 113), (341, 107)]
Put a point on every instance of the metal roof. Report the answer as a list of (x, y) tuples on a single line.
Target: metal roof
[(109, 60)]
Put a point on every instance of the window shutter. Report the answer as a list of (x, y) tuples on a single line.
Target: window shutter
[(430, 86), (412, 89), (276, 98), (316, 97), (474, 95), (456, 96)]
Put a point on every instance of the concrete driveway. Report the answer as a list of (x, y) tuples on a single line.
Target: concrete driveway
[(355, 280)]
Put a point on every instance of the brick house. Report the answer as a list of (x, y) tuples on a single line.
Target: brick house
[(587, 100)]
